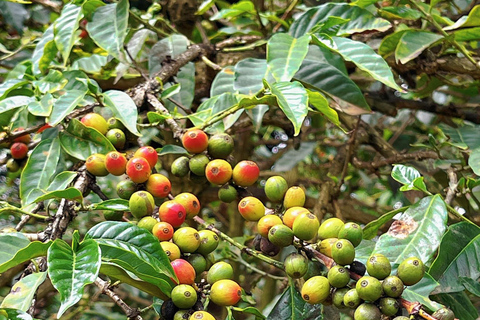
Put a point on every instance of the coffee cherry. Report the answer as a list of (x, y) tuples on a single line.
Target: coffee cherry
[(266, 222), (275, 188), (389, 306), (251, 208), (117, 138), (444, 314), (291, 214), (115, 163), (138, 170), (227, 193), (220, 146), (343, 252), (225, 292), (351, 299), (393, 286), (378, 266), (141, 203), (184, 296), (147, 223), (112, 215), (190, 202), (367, 311), (195, 141), (168, 310), (219, 271), (181, 315), (163, 231), (330, 228), (358, 268), (411, 271), (158, 185), (296, 265), (184, 271), (280, 235), (325, 246), (352, 232), (114, 123), (198, 164), (172, 212), (96, 121), (5, 144), (180, 167), (149, 154), (369, 288), (201, 315), (95, 164), (171, 250), (218, 171), (187, 239), (401, 318), (26, 138), (337, 297), (316, 290), (12, 165), (305, 226), (245, 173), (268, 248), (294, 197), (208, 242), (126, 188), (198, 262), (19, 150), (338, 276)]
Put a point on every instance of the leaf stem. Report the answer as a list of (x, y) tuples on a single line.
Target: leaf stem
[(17, 210), (147, 25)]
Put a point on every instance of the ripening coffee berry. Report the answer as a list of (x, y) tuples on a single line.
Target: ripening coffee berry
[(316, 290), (245, 173), (393, 286), (330, 228), (367, 311), (305, 226), (351, 299), (95, 164), (388, 306), (163, 231), (280, 235), (114, 123), (171, 250), (198, 163), (96, 121), (337, 297), (138, 170), (115, 163), (369, 288), (172, 212), (12, 165), (158, 185), (208, 242), (275, 188), (291, 214), (126, 188), (343, 252), (296, 265), (201, 315), (149, 154), (180, 167), (195, 141), (225, 292), (117, 138), (187, 239), (444, 314), (411, 271), (19, 150), (325, 246), (268, 248), (168, 309), (219, 271), (220, 146), (26, 138), (294, 197), (251, 208), (184, 296), (190, 202), (141, 203), (184, 271), (338, 276), (227, 193), (218, 171), (266, 222), (378, 266), (352, 232), (147, 223)]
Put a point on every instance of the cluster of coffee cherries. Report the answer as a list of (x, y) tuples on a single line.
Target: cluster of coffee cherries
[(18, 150), (112, 129)]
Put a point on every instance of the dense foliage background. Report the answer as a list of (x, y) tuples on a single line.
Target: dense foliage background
[(330, 95)]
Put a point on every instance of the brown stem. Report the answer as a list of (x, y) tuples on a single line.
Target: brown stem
[(160, 108), (399, 158), (132, 313)]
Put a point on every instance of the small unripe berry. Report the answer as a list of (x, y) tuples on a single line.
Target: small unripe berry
[(245, 173), (325, 246), (296, 265), (201, 315), (117, 138), (184, 296), (208, 242), (411, 271), (147, 223), (13, 165), (351, 299), (225, 292), (149, 154), (393, 286), (195, 141), (291, 214), (96, 121), (343, 252), (330, 228), (114, 123), (138, 169), (367, 311), (378, 266), (227, 193), (187, 239), (95, 164), (389, 306), (180, 167), (280, 235), (198, 262), (352, 232), (198, 163), (158, 185), (294, 197), (126, 188), (369, 288), (305, 226), (338, 276), (220, 146), (19, 150), (172, 212), (337, 297), (115, 163)]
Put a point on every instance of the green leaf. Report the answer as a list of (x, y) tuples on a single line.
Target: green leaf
[(468, 34), (256, 114), (285, 55), (421, 291), (112, 204), (69, 193), (23, 292), (400, 12), (13, 314), (65, 104), (466, 135), (134, 46), (364, 250), (108, 27), (474, 161), (65, 27), (223, 81), (80, 141), (170, 91), (44, 52), (10, 85), (472, 20), (71, 269), (473, 286), (168, 47), (40, 168), (172, 149), (91, 64), (460, 304), (412, 43), (10, 244), (371, 229), (292, 157), (417, 232), (406, 175), (19, 250), (250, 310), (365, 59), (458, 256), (292, 98), (363, 3), (249, 75), (186, 78), (54, 81), (9, 106), (206, 4), (389, 43), (136, 250), (62, 180), (360, 19), (154, 117), (289, 306), (123, 108), (321, 76), (320, 103), (237, 9)]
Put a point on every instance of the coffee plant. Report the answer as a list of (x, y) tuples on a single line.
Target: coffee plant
[(182, 159)]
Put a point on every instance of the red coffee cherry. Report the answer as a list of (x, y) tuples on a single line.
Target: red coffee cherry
[(195, 141), (115, 163), (138, 170)]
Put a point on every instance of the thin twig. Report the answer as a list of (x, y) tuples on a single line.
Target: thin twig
[(132, 313)]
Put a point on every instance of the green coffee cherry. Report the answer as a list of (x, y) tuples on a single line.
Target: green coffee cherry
[(147, 223), (351, 299), (352, 232), (393, 286), (330, 228), (343, 252), (378, 266), (219, 271), (411, 271), (296, 265), (227, 193), (198, 262), (275, 188), (181, 315), (184, 296), (369, 288), (187, 239), (389, 306), (208, 241), (180, 167), (338, 276), (126, 188), (280, 235), (401, 318), (337, 297), (444, 314), (367, 311), (198, 163), (141, 203), (305, 226)]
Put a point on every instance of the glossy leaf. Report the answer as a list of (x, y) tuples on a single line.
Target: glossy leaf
[(16, 250), (14, 314), (237, 9), (471, 20), (474, 161), (460, 304), (10, 244), (23, 292), (62, 180), (471, 285), (364, 250), (320, 103), (285, 55), (154, 117), (256, 114), (40, 168), (44, 52), (123, 108), (112, 204), (72, 268), (465, 136), (52, 82), (292, 98), (390, 42), (223, 81), (458, 256), (91, 64), (186, 78), (249, 75), (421, 291), (80, 141), (65, 27), (412, 44), (136, 250), (289, 306), (7, 86), (400, 12), (250, 310), (172, 149), (371, 229), (359, 19), (69, 193), (65, 104), (417, 232), (108, 27), (134, 46), (170, 91), (406, 175), (10, 105)]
